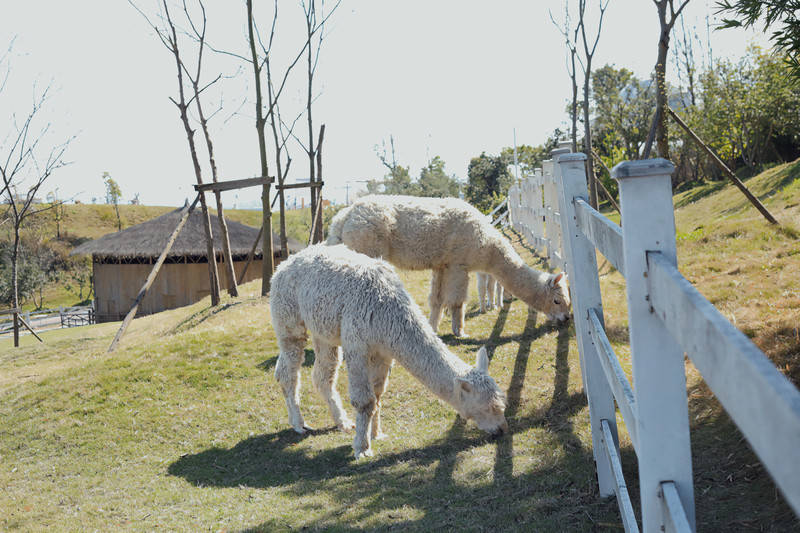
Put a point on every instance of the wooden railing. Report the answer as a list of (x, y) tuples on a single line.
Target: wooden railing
[(667, 317), (44, 319)]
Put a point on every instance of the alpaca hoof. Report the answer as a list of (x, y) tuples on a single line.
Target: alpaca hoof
[(363, 454), (379, 436), (346, 425), (302, 430), (459, 333)]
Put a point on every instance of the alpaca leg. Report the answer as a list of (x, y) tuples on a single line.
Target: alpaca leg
[(491, 283), (362, 397), (455, 288), (435, 299), (379, 374), (482, 286), (499, 295), (326, 366), (287, 372)]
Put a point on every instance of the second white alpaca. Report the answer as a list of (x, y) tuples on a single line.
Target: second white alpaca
[(347, 299), (452, 238)]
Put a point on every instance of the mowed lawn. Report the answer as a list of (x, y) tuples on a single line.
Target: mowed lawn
[(184, 427)]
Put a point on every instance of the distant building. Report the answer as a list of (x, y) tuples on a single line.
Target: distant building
[(121, 262)]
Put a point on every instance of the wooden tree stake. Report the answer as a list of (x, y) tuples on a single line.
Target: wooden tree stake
[(736, 181), (154, 272)]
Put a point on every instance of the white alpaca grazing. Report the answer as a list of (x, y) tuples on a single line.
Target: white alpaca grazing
[(350, 300), (452, 238), (490, 293)]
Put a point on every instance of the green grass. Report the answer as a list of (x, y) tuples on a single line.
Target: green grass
[(184, 427)]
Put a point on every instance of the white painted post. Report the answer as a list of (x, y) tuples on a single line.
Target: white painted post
[(581, 263), (547, 171), (658, 366), (554, 225)]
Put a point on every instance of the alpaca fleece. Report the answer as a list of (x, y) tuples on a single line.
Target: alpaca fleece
[(452, 238), (348, 299)]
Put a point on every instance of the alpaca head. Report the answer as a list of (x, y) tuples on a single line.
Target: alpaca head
[(556, 302), (479, 398)]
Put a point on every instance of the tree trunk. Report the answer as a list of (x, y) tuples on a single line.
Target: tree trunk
[(662, 140), (574, 112), (311, 150), (320, 207), (213, 274), (267, 265), (233, 290), (15, 283), (587, 139)]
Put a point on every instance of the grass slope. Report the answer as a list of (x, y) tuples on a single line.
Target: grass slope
[(184, 427)]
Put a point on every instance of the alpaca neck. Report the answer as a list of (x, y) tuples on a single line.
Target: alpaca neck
[(426, 357), (510, 270)]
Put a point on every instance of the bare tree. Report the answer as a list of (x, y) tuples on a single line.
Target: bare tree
[(314, 28), (683, 55), (586, 64), (659, 128), (571, 42), (168, 35), (200, 37), (280, 130), (267, 263), (26, 162)]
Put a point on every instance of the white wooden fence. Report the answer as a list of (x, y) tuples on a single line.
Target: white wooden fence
[(45, 319), (533, 211), (667, 317)]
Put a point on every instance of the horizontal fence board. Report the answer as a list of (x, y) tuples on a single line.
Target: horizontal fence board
[(606, 236), (616, 377), (621, 488), (761, 401), (674, 513)]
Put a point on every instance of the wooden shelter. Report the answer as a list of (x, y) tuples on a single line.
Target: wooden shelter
[(121, 262)]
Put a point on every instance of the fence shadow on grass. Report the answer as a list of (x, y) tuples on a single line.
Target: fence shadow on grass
[(556, 497)]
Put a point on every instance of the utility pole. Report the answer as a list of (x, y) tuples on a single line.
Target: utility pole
[(516, 161)]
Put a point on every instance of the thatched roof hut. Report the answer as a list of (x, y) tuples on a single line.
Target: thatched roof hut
[(121, 262), (146, 241)]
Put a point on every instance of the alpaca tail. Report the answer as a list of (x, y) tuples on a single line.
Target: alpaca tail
[(335, 228)]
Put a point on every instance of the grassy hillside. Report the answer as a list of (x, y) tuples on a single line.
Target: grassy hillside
[(184, 427)]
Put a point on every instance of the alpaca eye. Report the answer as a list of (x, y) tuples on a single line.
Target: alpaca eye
[(556, 302)]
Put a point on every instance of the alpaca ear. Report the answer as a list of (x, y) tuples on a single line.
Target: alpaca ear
[(558, 278), (482, 363), (464, 384)]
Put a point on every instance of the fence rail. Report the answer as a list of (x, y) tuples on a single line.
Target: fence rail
[(667, 317)]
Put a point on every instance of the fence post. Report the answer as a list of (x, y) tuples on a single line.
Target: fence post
[(547, 244), (554, 222), (16, 329), (581, 263), (659, 377)]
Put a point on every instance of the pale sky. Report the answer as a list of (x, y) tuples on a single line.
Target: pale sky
[(444, 77)]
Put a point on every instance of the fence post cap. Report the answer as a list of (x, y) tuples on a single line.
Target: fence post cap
[(571, 157), (559, 151), (641, 168)]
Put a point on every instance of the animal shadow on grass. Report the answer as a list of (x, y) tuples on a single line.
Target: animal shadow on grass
[(428, 479), (267, 364)]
